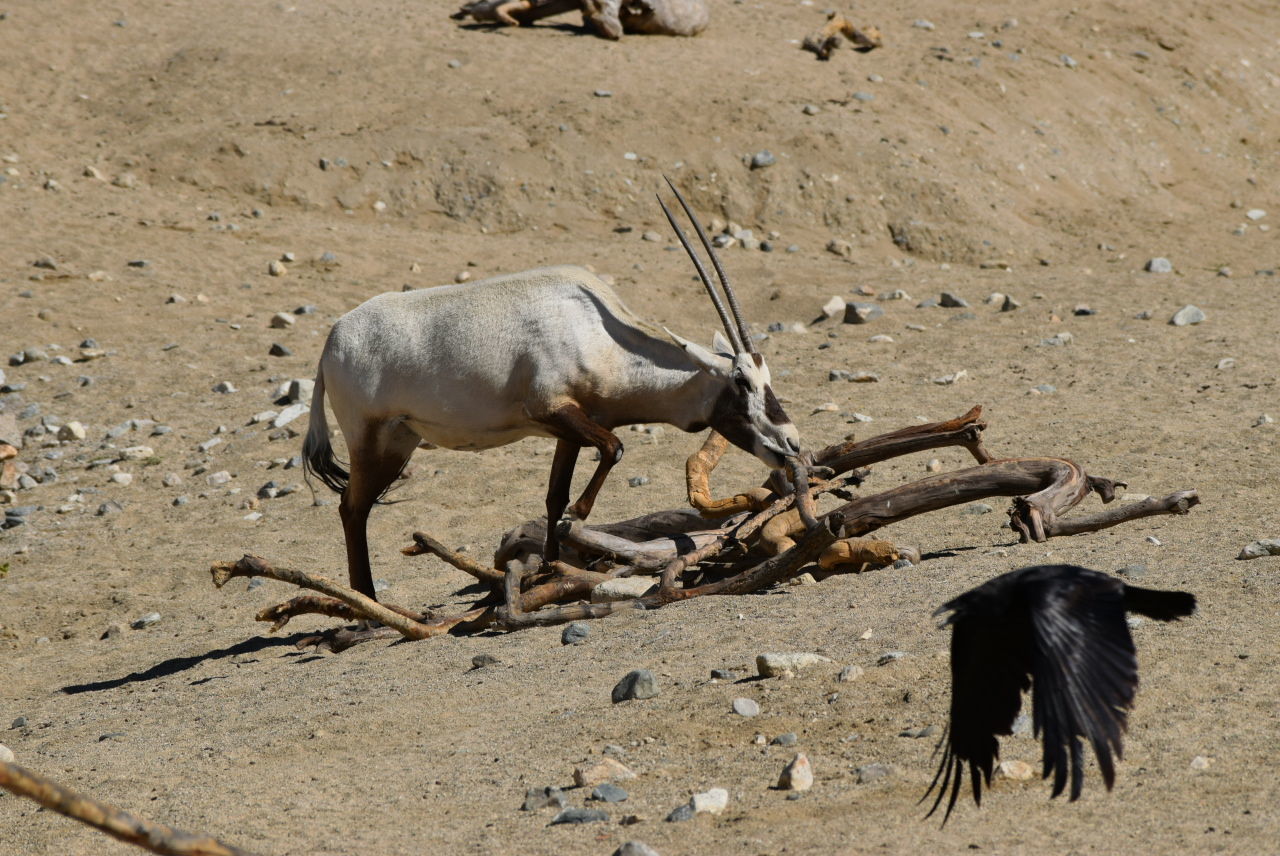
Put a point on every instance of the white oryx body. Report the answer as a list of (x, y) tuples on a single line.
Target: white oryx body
[(483, 364), (550, 352)]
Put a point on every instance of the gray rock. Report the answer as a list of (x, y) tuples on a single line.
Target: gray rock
[(762, 159), (723, 674), (863, 97), (579, 815), (20, 722), (179, 501), (608, 792), (1187, 316), (746, 707), (1258, 549), (868, 773), (224, 387), (109, 507), (479, 661), (1045, 388), (680, 813), (279, 350), (889, 656), (1133, 572), (852, 673), (1022, 725), (575, 633), (1159, 264), (978, 508), (300, 390), (861, 313), (638, 481), (926, 731), (145, 621), (952, 301), (536, 798), (788, 739), (639, 684), (635, 848)]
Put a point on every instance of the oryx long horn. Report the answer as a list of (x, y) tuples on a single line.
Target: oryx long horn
[(724, 279), (702, 274)]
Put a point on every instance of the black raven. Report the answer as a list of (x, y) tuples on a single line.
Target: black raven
[(1060, 631)]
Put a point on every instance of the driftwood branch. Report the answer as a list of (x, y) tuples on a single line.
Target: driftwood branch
[(154, 837), (746, 543)]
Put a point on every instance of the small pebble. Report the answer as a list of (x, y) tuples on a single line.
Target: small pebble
[(608, 792), (277, 268), (635, 848), (797, 775), (788, 739), (1159, 264), (713, 801), (1200, 762), (952, 301), (605, 770), (762, 159), (978, 508), (746, 707), (575, 633), (579, 815), (1019, 771), (639, 684), (889, 656), (6, 754), (776, 664), (1133, 572), (1258, 549), (850, 673), (681, 813), (536, 798), (145, 621), (1187, 316), (19, 722)]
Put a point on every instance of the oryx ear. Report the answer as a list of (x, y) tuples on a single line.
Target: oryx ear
[(717, 364), (721, 346)]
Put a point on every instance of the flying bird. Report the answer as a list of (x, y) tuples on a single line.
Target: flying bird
[(1060, 631)]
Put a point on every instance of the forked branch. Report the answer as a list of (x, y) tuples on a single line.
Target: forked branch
[(762, 537)]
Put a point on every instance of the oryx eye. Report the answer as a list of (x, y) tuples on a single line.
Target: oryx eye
[(741, 380)]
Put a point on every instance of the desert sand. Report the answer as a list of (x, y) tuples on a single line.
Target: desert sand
[(157, 158)]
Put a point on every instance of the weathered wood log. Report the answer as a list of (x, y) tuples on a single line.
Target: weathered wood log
[(121, 825)]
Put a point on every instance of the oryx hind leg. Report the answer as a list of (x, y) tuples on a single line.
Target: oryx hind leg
[(378, 455)]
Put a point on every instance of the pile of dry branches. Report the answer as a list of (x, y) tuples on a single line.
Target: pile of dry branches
[(738, 545)]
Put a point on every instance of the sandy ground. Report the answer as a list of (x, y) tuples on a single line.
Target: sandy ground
[(1046, 158)]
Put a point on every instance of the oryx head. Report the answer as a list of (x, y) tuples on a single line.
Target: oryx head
[(745, 411)]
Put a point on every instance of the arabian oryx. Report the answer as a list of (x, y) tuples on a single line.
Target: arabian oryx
[(550, 352)]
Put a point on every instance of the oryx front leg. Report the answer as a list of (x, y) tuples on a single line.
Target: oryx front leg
[(573, 428)]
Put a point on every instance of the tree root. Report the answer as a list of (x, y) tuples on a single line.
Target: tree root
[(761, 537), (154, 837)]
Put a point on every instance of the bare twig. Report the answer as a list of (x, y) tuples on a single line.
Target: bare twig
[(118, 824)]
